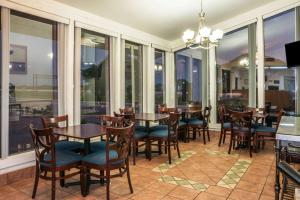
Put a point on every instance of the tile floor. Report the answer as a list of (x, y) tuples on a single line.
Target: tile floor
[(203, 172)]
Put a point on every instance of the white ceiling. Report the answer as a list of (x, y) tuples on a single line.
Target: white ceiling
[(165, 18)]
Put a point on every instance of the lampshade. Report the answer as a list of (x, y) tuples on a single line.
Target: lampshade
[(218, 34), (204, 32), (188, 35)]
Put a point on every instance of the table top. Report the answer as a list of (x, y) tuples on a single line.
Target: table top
[(83, 131), (153, 117), (289, 129)]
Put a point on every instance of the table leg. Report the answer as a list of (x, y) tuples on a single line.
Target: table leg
[(277, 181), (148, 147), (87, 150)]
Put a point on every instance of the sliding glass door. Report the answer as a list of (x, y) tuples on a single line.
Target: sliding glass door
[(134, 76), (95, 73), (32, 76), (160, 77)]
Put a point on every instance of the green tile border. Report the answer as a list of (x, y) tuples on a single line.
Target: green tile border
[(184, 183)]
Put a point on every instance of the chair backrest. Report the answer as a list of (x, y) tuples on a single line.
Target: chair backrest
[(240, 120), (126, 110), (110, 121), (206, 113), (173, 122), (221, 112), (43, 141), (256, 110), (123, 137), (54, 122), (279, 115)]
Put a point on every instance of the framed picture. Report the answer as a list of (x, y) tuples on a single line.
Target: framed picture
[(18, 59)]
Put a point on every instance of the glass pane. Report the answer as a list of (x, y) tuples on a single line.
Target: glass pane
[(160, 71), (33, 77), (188, 76), (134, 76), (94, 76), (279, 80), (232, 70)]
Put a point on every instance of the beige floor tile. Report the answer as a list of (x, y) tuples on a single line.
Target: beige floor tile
[(208, 196), (238, 194), (220, 191), (183, 193)]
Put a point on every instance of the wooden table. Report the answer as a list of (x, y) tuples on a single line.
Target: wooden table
[(83, 132), (147, 118), (288, 132)]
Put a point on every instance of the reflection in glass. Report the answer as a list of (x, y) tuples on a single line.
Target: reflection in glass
[(188, 76), (94, 76), (232, 70), (33, 77), (134, 76), (160, 71), (279, 80)]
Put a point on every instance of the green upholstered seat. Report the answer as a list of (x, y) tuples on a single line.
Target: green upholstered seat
[(63, 158), (68, 145), (99, 158)]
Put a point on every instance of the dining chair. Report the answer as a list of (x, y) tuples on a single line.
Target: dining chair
[(201, 123), (242, 132), (50, 160), (169, 136), (139, 136), (59, 122), (225, 124), (107, 121), (266, 133), (114, 157)]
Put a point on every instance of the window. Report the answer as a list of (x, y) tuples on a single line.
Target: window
[(94, 75), (160, 73), (279, 80), (232, 69), (33, 77), (188, 76), (134, 76)]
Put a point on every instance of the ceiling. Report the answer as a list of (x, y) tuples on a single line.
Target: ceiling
[(165, 18)]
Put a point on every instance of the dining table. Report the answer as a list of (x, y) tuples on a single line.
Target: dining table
[(84, 132)]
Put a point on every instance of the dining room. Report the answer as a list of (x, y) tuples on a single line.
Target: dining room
[(107, 99)]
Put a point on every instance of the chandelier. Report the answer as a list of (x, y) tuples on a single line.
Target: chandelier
[(204, 38)]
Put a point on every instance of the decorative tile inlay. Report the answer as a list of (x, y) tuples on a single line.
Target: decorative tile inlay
[(184, 183), (220, 153), (166, 166), (233, 176)]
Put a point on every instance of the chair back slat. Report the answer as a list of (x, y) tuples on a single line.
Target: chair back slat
[(240, 120), (126, 110), (173, 122), (44, 144), (110, 121)]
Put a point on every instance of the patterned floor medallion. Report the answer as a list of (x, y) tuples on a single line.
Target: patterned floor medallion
[(184, 183)]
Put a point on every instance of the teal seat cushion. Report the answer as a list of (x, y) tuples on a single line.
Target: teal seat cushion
[(138, 134), (68, 145), (98, 146), (226, 125), (182, 123), (266, 129), (99, 157), (159, 127), (63, 158), (195, 122), (140, 128), (159, 133)]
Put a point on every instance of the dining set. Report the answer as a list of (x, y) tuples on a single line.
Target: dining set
[(247, 128)]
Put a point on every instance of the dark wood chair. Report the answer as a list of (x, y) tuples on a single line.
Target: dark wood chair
[(266, 133), (49, 160), (140, 134), (169, 136), (114, 157), (58, 122), (242, 132), (201, 123), (225, 124), (126, 110)]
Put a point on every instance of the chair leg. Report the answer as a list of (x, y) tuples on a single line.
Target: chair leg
[(166, 149), (250, 147), (128, 177), (177, 146), (102, 177), (133, 151), (230, 144), (53, 180), (224, 136), (221, 136), (107, 184), (208, 136), (159, 147), (36, 180), (204, 140), (83, 181), (169, 150), (62, 181)]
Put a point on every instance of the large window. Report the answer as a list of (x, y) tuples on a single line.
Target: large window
[(188, 76), (160, 73), (94, 75), (232, 69), (134, 76), (279, 80), (33, 77)]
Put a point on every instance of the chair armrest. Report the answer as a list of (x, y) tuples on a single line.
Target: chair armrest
[(288, 171), (293, 146)]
